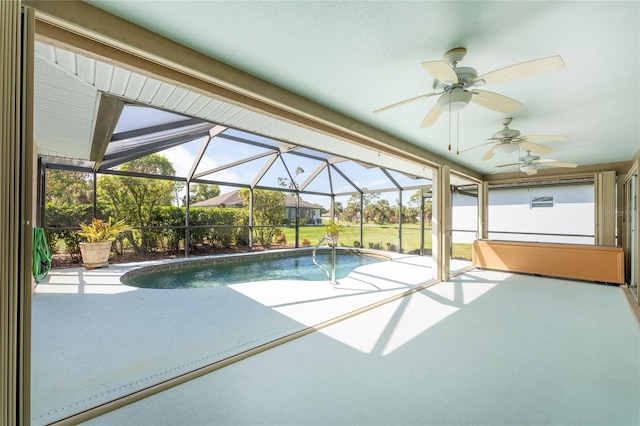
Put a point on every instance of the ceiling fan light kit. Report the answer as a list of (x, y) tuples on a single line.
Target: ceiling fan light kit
[(454, 100), (505, 148)]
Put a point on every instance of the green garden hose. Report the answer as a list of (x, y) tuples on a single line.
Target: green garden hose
[(41, 257)]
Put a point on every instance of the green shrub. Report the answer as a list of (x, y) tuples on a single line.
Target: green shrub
[(215, 226), (66, 216), (167, 239), (242, 232)]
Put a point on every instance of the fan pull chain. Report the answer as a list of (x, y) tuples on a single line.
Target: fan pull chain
[(458, 133), (449, 120)]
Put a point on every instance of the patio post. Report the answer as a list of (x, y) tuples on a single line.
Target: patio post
[(187, 231), (400, 221), (94, 206), (361, 219), (422, 221), (441, 223), (297, 222), (42, 193), (17, 213), (250, 218)]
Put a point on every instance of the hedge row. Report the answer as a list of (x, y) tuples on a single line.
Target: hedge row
[(220, 226)]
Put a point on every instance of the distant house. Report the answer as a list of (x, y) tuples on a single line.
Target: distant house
[(326, 217), (309, 212), (230, 199)]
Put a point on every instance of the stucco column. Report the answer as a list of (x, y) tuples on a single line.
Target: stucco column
[(605, 205), (441, 223), (483, 210)]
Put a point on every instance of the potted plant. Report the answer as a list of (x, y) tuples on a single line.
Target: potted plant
[(99, 235), (333, 229)]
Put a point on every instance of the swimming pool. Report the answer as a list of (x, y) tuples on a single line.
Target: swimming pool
[(215, 272)]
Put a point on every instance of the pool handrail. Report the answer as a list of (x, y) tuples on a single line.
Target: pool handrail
[(331, 277)]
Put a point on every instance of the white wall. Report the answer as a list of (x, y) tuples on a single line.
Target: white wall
[(572, 213), (464, 216)]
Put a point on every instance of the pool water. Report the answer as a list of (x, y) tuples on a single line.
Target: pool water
[(254, 268)]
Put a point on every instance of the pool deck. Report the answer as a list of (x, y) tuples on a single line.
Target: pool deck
[(486, 348), (94, 339)]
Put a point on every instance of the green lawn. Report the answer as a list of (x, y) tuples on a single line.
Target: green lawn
[(377, 236)]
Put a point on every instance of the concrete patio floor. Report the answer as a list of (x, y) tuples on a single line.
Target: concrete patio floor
[(485, 348), (95, 339)]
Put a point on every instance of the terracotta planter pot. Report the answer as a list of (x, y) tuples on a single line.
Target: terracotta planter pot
[(334, 237), (95, 255)]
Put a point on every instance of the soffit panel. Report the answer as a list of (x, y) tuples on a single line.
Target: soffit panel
[(57, 92)]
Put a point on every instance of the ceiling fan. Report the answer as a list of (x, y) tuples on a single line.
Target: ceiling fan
[(529, 164), (509, 140), (457, 85)]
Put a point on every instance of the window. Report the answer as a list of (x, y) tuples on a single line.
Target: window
[(538, 202)]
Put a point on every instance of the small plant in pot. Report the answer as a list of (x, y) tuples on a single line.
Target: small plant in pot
[(333, 231), (99, 236)]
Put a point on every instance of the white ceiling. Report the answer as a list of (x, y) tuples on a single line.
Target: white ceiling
[(355, 57)]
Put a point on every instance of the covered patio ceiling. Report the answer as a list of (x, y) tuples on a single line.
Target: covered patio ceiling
[(352, 58)]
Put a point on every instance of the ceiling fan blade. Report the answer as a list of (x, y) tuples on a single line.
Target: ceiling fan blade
[(533, 147), (432, 116), (495, 101), (509, 165), (477, 146), (489, 155), (546, 138), (560, 164), (523, 70), (441, 70), (406, 101)]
